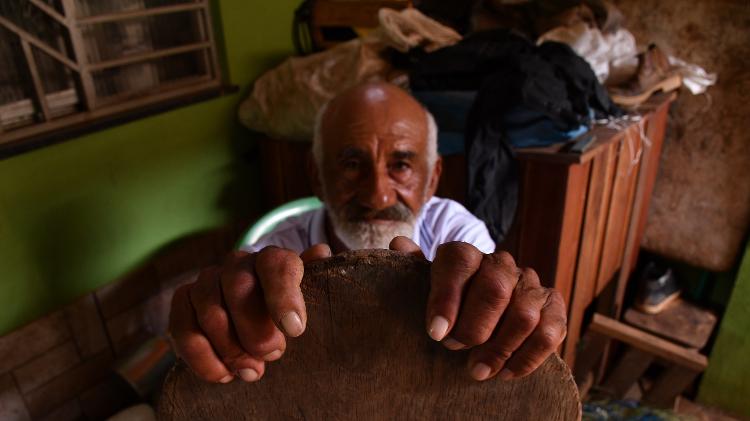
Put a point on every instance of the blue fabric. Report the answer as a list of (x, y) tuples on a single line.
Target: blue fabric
[(527, 128), (450, 109), (524, 128)]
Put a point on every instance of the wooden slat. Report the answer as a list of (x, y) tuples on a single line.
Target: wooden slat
[(38, 44), (629, 369), (132, 14), (549, 240), (136, 58), (41, 98), (656, 126), (209, 28), (49, 10), (162, 87), (634, 196), (589, 253), (107, 111), (601, 230), (649, 343), (669, 385), (86, 81), (616, 223), (204, 36)]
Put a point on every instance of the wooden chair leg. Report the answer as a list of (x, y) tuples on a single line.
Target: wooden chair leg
[(670, 384), (629, 369)]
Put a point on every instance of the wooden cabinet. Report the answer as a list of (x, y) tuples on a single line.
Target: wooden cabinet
[(580, 216)]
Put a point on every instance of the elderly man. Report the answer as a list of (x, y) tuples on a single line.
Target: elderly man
[(376, 169)]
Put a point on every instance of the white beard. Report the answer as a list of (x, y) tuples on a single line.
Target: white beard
[(365, 235)]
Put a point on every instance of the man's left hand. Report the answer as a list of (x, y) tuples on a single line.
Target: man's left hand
[(485, 303)]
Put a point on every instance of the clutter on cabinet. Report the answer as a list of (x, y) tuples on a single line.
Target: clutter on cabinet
[(285, 100)]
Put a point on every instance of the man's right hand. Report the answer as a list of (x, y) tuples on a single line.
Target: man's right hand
[(234, 317)]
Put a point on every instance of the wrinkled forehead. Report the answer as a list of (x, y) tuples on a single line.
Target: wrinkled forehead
[(375, 117)]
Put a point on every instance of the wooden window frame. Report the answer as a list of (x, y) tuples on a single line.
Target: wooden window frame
[(93, 111)]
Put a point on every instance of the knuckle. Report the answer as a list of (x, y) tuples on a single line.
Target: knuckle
[(496, 293), (527, 318), (528, 279), (459, 253), (504, 258), (555, 296), (549, 338), (529, 273), (213, 319)]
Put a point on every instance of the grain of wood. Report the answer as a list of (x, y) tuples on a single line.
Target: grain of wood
[(365, 355)]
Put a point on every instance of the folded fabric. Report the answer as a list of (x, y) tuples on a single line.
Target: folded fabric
[(608, 54), (285, 100), (409, 28), (694, 77)]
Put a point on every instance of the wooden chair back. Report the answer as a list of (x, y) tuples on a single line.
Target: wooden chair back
[(366, 356)]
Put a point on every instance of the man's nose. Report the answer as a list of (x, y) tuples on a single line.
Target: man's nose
[(377, 192)]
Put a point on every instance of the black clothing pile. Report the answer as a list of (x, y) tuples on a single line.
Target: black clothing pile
[(508, 72)]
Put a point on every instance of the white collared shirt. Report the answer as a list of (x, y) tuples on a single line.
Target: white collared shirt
[(440, 221)]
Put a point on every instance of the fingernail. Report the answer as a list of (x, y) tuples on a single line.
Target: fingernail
[(481, 371), (227, 379), (272, 356), (505, 374), (452, 344), (292, 324), (438, 328), (248, 374)]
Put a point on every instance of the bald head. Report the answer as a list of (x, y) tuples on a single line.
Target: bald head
[(377, 104)]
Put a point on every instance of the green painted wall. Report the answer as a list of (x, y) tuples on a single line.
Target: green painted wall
[(79, 214), (726, 383)]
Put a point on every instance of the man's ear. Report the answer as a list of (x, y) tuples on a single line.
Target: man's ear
[(314, 176), (435, 176)]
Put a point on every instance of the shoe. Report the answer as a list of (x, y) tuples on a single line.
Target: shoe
[(654, 74), (658, 289)]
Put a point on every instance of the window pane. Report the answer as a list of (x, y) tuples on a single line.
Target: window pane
[(58, 84), (16, 89), (110, 40), (37, 23), (141, 78)]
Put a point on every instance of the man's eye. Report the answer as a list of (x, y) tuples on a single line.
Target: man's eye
[(351, 165), (401, 166)]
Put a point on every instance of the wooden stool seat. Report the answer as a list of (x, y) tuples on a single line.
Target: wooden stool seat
[(681, 322), (365, 355)]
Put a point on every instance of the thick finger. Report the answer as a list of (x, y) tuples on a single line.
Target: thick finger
[(243, 297), (214, 321), (548, 335), (280, 273), (316, 252), (189, 342), (455, 263), (406, 245), (519, 321), (487, 296)]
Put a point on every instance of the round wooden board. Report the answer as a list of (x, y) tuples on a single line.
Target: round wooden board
[(366, 356)]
